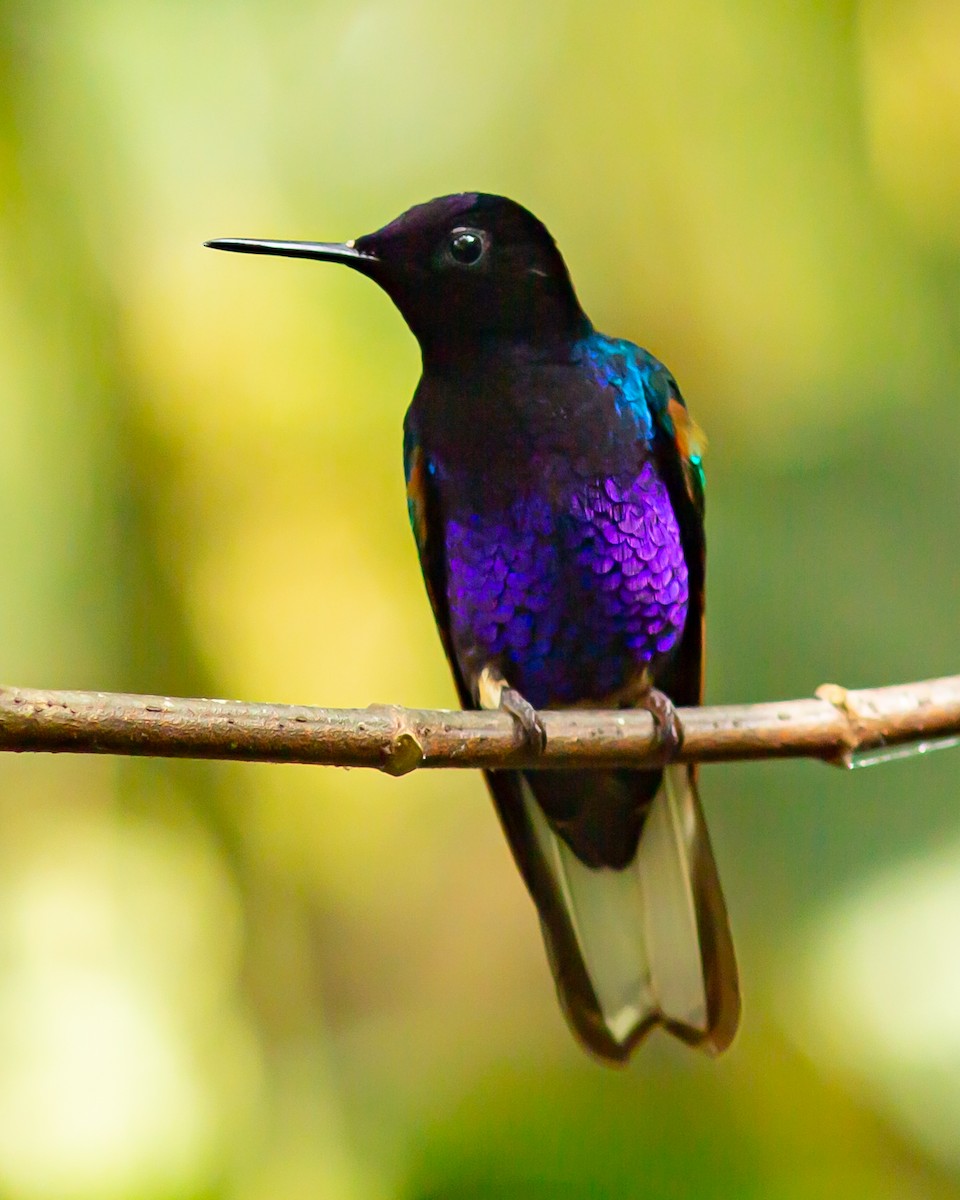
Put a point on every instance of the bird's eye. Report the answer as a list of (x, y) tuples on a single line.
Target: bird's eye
[(466, 246)]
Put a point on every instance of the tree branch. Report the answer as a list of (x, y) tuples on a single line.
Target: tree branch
[(836, 726)]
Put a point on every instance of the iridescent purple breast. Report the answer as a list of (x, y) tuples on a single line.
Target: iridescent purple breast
[(574, 598)]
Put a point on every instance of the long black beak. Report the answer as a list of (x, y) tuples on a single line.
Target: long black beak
[(341, 252)]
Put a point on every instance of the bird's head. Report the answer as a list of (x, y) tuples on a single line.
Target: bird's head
[(462, 269)]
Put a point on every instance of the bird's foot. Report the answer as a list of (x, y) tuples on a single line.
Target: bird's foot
[(667, 722), (527, 719), (494, 693)]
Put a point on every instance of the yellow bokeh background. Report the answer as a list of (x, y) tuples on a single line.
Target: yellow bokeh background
[(250, 981)]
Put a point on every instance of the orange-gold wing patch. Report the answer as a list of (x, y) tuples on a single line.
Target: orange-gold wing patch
[(691, 443)]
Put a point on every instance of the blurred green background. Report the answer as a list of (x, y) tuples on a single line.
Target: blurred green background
[(244, 981)]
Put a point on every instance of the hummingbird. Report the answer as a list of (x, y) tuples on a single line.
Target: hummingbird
[(555, 489)]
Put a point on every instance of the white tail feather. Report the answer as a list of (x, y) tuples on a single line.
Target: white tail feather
[(637, 928)]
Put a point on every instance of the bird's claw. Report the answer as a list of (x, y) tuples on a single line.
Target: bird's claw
[(667, 722), (527, 719)]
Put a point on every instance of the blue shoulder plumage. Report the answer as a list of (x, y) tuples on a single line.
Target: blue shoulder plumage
[(647, 391), (626, 369)]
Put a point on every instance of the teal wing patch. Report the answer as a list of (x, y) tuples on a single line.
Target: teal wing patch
[(674, 424), (679, 448), (416, 469), (426, 521)]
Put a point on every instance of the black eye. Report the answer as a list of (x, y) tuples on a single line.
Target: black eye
[(467, 246)]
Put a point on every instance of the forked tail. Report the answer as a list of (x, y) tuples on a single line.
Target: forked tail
[(645, 945)]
